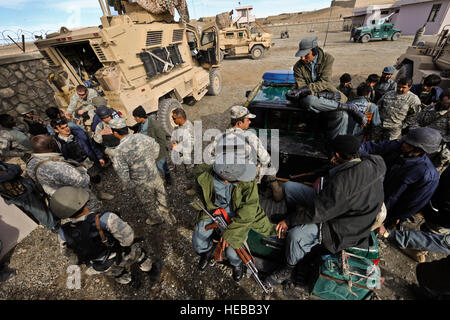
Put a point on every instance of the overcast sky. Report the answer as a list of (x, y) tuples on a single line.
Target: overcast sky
[(50, 15)]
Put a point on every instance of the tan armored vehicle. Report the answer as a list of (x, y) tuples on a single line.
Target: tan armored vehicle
[(136, 58), (242, 40), (427, 57)]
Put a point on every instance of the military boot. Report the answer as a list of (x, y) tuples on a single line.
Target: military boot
[(166, 215), (238, 272), (102, 195), (124, 277), (279, 276), (205, 257)]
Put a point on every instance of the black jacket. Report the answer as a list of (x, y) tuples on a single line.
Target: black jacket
[(348, 204)]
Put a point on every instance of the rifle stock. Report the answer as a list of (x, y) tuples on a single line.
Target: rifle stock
[(246, 258)]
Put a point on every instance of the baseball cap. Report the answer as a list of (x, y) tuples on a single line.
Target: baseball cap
[(305, 46), (237, 112)]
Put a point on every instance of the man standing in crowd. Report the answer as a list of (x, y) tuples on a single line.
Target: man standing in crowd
[(183, 147), (398, 110), (154, 129), (134, 162), (385, 84)]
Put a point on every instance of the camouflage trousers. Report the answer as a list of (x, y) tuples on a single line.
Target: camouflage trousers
[(152, 193), (441, 159), (383, 134), (121, 271)]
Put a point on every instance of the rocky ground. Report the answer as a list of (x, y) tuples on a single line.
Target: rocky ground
[(42, 270)]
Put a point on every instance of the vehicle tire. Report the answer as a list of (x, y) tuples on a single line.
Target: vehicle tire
[(365, 38), (257, 52), (283, 35), (405, 70), (164, 115), (215, 82), (355, 39), (395, 36)]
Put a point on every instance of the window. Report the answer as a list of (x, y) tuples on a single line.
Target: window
[(385, 12), (434, 11)]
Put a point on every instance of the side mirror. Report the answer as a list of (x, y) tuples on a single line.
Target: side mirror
[(247, 93)]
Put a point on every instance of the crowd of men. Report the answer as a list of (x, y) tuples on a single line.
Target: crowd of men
[(389, 145)]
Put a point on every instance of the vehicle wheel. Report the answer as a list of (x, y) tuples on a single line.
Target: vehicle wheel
[(405, 70), (222, 55), (215, 82), (365, 38), (164, 115), (395, 36), (257, 52), (354, 39)]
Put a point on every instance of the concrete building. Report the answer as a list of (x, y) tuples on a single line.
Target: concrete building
[(415, 13), (243, 15), (408, 15)]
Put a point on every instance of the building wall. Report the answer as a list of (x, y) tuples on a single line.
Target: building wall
[(412, 17), (366, 3), (23, 80)]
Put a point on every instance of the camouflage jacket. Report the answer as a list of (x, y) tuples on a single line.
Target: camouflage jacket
[(76, 102), (382, 87), (324, 66), (183, 135), (13, 143), (398, 110), (57, 173), (439, 120), (236, 136), (134, 159)]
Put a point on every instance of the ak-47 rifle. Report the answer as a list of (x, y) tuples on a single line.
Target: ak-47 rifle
[(221, 222)]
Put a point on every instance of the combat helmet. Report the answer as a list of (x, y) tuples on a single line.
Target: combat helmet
[(66, 201), (427, 139)]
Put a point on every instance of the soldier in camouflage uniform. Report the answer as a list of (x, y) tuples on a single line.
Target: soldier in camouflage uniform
[(50, 171), (398, 110), (437, 116), (101, 241), (183, 147), (385, 84), (15, 146), (134, 162), (239, 135), (81, 106)]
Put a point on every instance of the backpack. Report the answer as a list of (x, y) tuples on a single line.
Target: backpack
[(352, 274), (90, 242)]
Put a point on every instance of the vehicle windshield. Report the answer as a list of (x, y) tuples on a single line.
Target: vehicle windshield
[(272, 94)]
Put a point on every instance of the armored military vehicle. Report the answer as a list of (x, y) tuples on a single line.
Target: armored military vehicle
[(242, 40), (425, 58), (378, 29), (134, 58)]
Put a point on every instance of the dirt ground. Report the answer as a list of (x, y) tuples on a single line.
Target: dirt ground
[(42, 270)]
